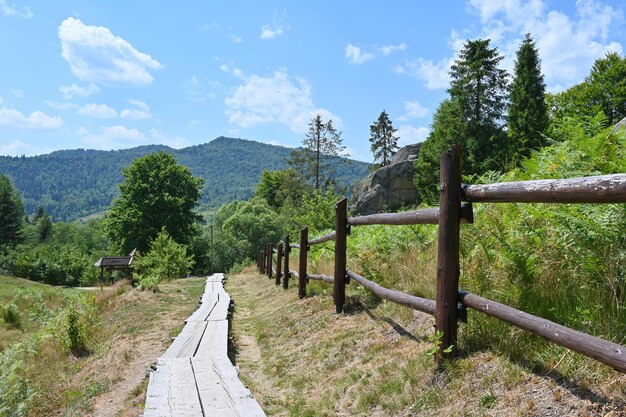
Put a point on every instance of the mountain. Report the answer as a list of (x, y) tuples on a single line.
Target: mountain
[(76, 183)]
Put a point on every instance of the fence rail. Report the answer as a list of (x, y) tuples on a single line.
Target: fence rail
[(450, 304)]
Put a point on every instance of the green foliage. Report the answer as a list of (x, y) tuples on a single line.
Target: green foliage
[(11, 212), (156, 193), (383, 142), (15, 393), (75, 324), (166, 260), (607, 86), (278, 186), (528, 114), (11, 315), (314, 161), (317, 211)]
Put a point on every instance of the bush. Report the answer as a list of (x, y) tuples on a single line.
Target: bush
[(76, 324), (11, 315), (15, 394), (166, 260)]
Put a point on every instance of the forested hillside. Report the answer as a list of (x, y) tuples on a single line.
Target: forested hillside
[(76, 183)]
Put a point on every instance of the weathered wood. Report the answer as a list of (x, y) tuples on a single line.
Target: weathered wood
[(286, 266), (279, 261), (595, 189), (214, 342), (304, 238), (270, 257), (341, 229), (294, 246), (221, 392), (172, 390), (601, 350), (321, 277), (448, 250), (294, 273), (422, 216), (322, 239), (187, 342), (417, 303)]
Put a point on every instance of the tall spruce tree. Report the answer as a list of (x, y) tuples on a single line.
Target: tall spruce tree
[(480, 88), (11, 212), (383, 139), (315, 160), (528, 114)]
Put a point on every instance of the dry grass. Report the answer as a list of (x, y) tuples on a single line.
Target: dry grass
[(300, 359)]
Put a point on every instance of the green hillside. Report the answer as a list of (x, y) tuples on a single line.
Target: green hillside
[(76, 183)]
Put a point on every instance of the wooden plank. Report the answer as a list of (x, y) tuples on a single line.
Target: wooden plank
[(187, 342), (221, 306), (221, 391), (172, 390), (214, 343)]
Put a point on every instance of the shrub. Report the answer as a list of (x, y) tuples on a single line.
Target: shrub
[(11, 315), (15, 394)]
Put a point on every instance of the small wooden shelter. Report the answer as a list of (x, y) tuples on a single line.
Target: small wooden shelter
[(116, 263)]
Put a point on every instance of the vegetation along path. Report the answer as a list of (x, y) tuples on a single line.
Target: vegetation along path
[(299, 358)]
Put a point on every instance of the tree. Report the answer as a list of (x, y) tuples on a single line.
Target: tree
[(315, 160), (480, 88), (607, 86), (11, 212), (447, 129), (384, 143), (156, 193), (278, 186), (528, 114)]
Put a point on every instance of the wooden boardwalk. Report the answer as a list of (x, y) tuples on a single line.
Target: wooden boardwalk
[(194, 377)]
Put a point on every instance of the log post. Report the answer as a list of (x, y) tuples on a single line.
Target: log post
[(448, 268), (270, 252), (304, 242), (341, 229), (262, 254), (279, 259), (286, 272), (266, 259)]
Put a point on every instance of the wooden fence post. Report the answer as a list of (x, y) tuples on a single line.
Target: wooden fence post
[(265, 260), (279, 258), (270, 260), (341, 229), (262, 268), (286, 272), (448, 268), (304, 243)]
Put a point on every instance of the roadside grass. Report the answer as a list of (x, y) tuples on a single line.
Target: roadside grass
[(130, 329), (299, 358)]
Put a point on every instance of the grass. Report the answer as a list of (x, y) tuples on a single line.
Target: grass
[(301, 359), (131, 329)]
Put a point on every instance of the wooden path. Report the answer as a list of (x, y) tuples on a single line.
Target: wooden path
[(194, 377)]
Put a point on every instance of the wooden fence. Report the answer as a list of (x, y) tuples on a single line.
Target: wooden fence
[(455, 208)]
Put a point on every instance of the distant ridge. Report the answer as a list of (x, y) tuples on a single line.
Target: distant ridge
[(71, 184)]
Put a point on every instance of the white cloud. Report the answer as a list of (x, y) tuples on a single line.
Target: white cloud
[(269, 32), (389, 49), (71, 91), (61, 106), (112, 137), (196, 91), (19, 148), (96, 55), (100, 111), (36, 120), (568, 45), (11, 10), (354, 55), (175, 142), (410, 134), (274, 99), (141, 111), (414, 110)]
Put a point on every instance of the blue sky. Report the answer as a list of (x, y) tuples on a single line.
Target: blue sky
[(112, 75)]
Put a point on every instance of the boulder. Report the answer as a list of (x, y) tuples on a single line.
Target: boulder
[(390, 187), (620, 125)]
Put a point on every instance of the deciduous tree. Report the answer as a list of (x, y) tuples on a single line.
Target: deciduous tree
[(156, 193)]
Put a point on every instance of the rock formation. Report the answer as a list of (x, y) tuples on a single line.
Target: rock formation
[(390, 187)]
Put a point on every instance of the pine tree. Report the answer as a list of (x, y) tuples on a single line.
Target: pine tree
[(480, 88), (11, 212), (315, 160), (528, 114), (384, 143)]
